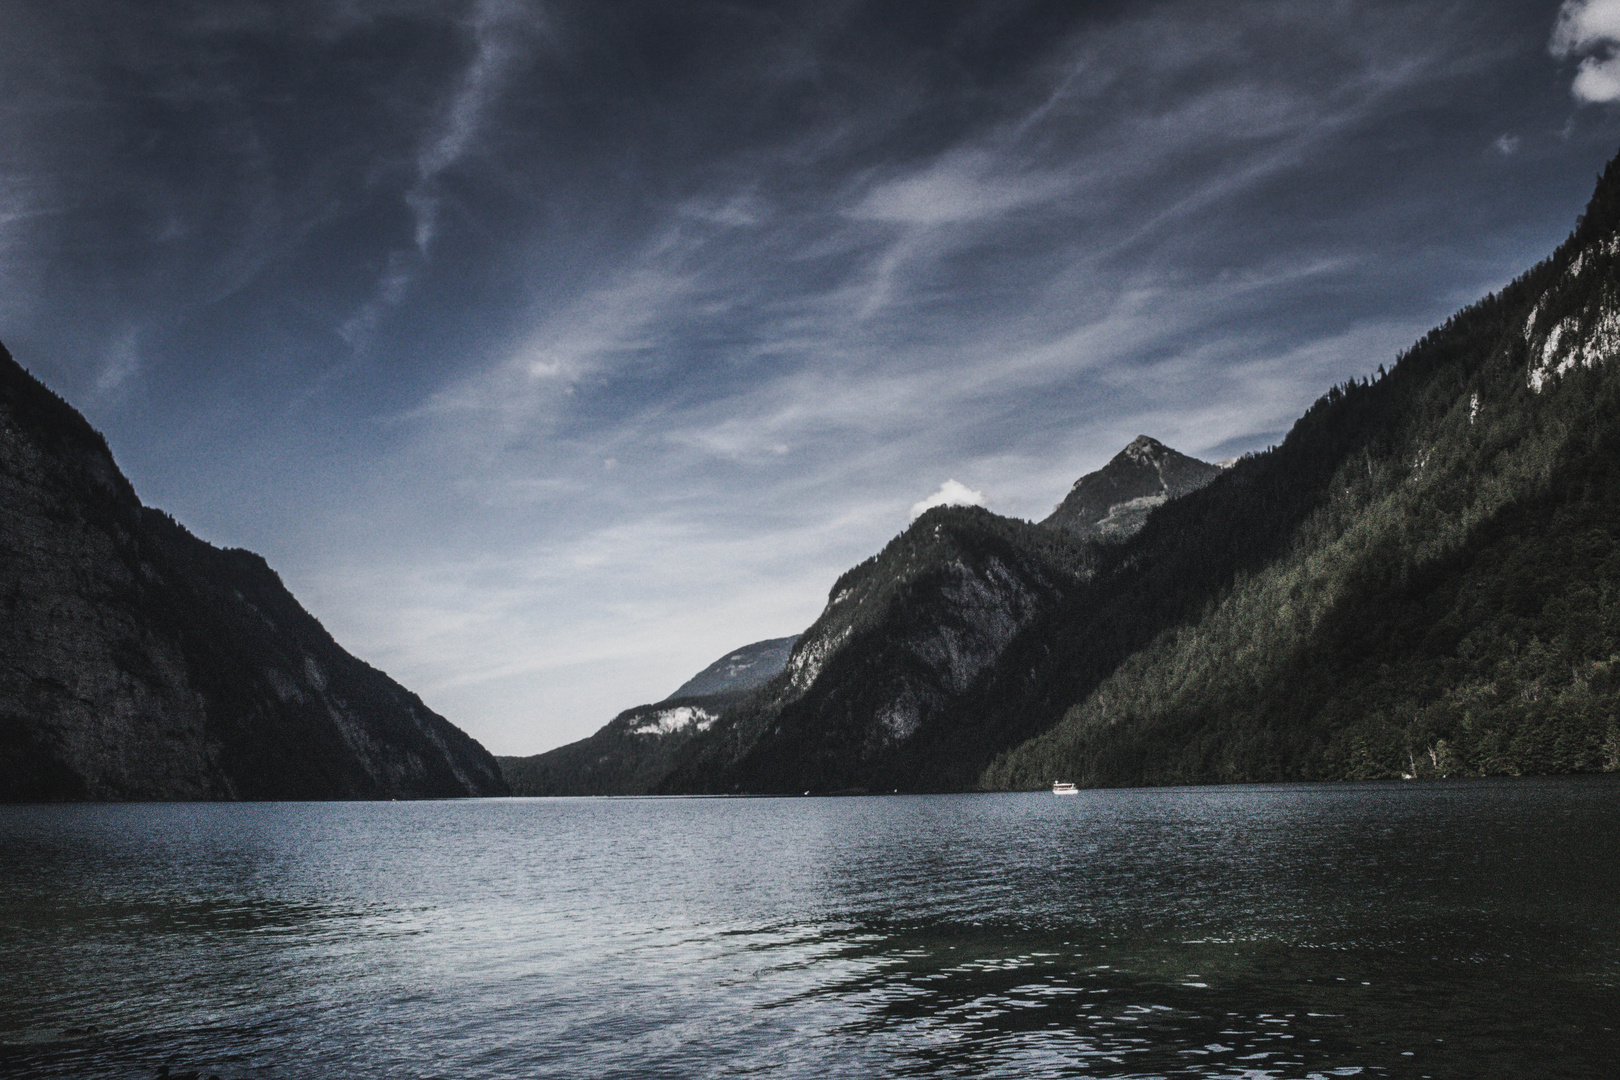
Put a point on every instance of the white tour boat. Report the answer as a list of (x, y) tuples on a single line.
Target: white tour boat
[(1063, 787)]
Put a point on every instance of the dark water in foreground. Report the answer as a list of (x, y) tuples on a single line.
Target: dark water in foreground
[(1465, 929)]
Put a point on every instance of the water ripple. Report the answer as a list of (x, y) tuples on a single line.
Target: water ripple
[(1446, 930)]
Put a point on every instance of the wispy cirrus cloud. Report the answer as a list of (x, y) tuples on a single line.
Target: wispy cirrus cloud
[(967, 187), (1008, 309), (121, 363), (503, 35)]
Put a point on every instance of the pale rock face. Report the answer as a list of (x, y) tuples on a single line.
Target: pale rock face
[(1126, 517), (1570, 343), (670, 721), (1141, 451), (1582, 339), (285, 688), (807, 660), (899, 718)]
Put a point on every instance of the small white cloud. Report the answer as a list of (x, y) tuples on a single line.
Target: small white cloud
[(121, 363), (1506, 145), (548, 366), (1590, 29), (1598, 80), (950, 493)]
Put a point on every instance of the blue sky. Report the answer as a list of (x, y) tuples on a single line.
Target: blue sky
[(551, 350)]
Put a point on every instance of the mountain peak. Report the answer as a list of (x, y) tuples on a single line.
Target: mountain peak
[(1144, 449), (1113, 502)]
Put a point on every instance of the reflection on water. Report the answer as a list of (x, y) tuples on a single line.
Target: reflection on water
[(1449, 929)]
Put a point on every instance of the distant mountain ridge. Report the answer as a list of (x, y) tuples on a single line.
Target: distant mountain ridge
[(747, 668), (138, 662), (632, 753), (629, 755)]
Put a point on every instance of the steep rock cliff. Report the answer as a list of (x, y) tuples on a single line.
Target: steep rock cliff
[(138, 662)]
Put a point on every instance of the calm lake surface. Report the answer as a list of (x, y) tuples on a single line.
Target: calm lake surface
[(1452, 929)]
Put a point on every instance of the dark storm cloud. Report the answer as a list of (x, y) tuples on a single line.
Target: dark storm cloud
[(551, 348)]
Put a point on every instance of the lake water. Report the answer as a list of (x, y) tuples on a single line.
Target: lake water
[(1453, 929)]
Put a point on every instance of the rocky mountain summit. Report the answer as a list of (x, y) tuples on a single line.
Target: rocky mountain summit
[(138, 662), (1113, 503)]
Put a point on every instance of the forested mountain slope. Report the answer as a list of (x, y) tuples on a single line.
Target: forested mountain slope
[(1422, 579), (138, 662)]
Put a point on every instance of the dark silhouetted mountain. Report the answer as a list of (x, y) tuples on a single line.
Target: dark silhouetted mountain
[(138, 662), (747, 668), (1113, 502)]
